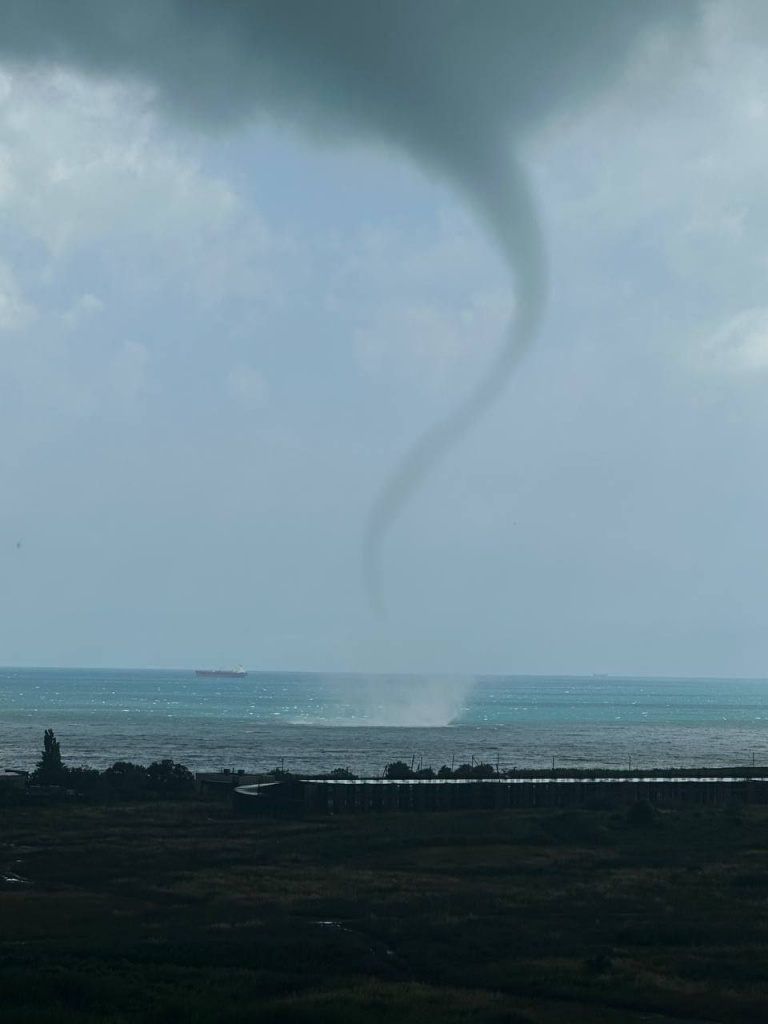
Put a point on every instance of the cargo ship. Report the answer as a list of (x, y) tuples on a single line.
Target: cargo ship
[(222, 673)]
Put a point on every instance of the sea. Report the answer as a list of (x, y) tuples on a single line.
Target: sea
[(313, 722)]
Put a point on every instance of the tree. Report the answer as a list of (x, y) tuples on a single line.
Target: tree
[(168, 777), (127, 780), (398, 770), (478, 770), (50, 771)]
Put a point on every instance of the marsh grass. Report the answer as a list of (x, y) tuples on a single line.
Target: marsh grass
[(170, 912)]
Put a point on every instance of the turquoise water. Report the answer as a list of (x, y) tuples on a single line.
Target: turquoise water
[(315, 722)]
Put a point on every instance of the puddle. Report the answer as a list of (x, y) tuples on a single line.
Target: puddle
[(10, 878)]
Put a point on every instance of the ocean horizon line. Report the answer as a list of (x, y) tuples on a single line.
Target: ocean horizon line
[(398, 674)]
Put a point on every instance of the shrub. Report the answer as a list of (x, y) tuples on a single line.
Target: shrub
[(598, 964), (398, 770), (84, 781)]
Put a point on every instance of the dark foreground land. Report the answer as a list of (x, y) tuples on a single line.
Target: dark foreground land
[(177, 912)]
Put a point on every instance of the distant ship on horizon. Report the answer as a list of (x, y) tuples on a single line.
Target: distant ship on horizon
[(222, 673)]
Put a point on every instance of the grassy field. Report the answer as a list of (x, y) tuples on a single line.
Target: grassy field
[(176, 912)]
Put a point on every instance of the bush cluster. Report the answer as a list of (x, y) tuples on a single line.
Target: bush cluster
[(123, 779), (480, 770)]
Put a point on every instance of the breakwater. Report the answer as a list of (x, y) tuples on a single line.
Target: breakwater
[(297, 798)]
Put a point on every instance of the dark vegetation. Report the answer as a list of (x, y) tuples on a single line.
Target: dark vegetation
[(476, 770), (143, 900), (173, 911), (124, 780)]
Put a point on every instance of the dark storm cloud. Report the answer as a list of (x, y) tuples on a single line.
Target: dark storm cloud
[(455, 84)]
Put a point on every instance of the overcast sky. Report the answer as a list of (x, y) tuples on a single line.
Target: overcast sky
[(217, 340)]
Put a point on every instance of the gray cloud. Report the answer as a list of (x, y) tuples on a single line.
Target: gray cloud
[(456, 84)]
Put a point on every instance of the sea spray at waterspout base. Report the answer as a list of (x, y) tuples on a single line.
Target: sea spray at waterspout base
[(425, 702)]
